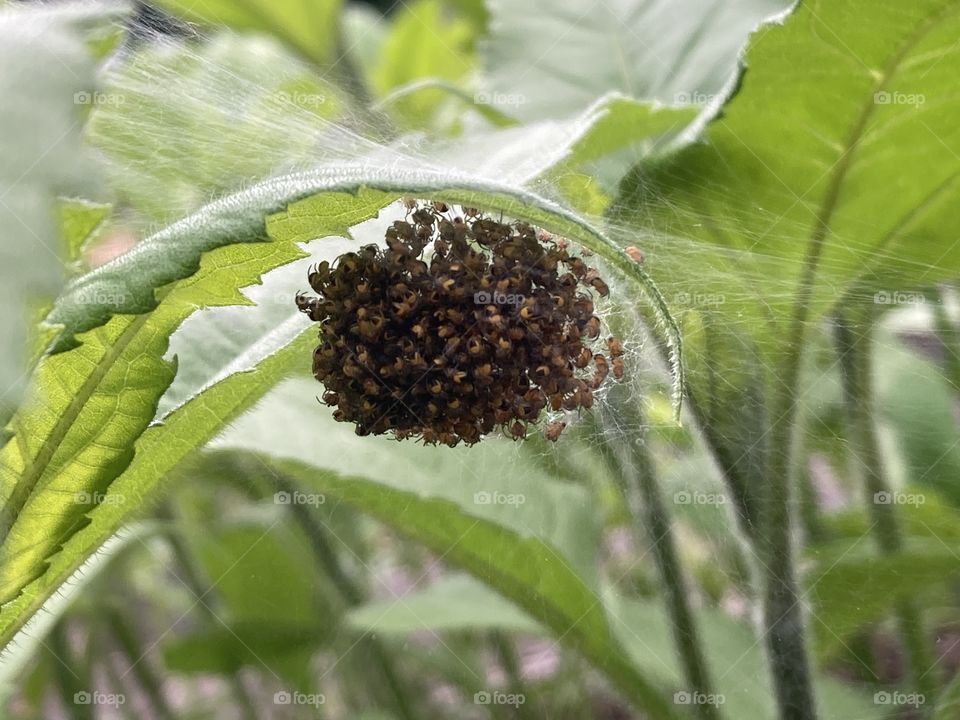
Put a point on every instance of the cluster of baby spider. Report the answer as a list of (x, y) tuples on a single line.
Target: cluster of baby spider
[(460, 325)]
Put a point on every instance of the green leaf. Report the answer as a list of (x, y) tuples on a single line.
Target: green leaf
[(760, 230), (772, 205), (93, 402), (919, 404), (621, 133), (678, 52), (227, 650), (270, 614), (424, 41), (261, 570), (550, 151), (16, 656), (80, 222), (307, 26), (73, 435), (624, 122), (44, 67), (851, 587), (160, 450), (524, 568), (457, 602)]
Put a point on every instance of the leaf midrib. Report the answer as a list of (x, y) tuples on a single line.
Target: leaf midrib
[(831, 200), (36, 467)]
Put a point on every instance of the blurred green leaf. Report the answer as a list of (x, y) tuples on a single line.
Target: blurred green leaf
[(457, 602), (557, 59), (46, 73), (263, 573), (364, 29), (307, 26), (523, 567), (270, 614), (424, 41), (225, 650), (80, 221), (919, 404), (851, 587), (762, 225), (461, 603)]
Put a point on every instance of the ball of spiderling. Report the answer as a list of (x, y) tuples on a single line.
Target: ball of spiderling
[(460, 325)]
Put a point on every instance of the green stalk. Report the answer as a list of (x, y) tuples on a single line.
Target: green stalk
[(783, 615), (508, 658), (636, 477), (318, 536), (129, 645), (68, 682), (855, 360), (190, 576)]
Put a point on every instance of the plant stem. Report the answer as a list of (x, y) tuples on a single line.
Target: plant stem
[(685, 631), (129, 645), (190, 577), (637, 480), (68, 682), (854, 348), (511, 667), (783, 615), (318, 536)]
